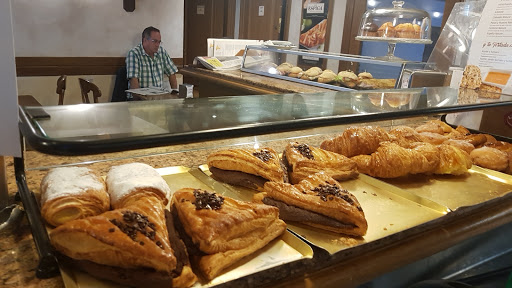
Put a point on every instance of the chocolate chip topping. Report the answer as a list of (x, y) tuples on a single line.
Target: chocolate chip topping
[(328, 191), (134, 222), (263, 155), (304, 150), (207, 200)]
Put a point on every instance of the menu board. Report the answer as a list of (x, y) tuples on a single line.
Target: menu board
[(491, 49), (9, 141)]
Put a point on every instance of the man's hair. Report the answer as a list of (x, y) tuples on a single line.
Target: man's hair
[(147, 32)]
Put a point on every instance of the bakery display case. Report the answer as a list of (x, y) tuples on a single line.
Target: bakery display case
[(176, 136), (395, 24), (281, 63)]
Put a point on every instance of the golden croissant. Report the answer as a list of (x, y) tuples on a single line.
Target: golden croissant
[(356, 141), (391, 160)]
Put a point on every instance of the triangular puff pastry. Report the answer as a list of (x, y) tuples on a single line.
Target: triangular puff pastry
[(219, 230), (303, 160), (318, 201), (133, 238), (249, 167)]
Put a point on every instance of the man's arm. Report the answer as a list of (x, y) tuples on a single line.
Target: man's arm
[(173, 81), (134, 83)]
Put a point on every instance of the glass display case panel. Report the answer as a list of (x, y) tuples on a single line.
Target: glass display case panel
[(282, 63)]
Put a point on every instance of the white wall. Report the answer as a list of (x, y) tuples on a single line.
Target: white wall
[(93, 28)]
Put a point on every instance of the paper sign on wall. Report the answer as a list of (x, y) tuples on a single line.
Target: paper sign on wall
[(490, 55)]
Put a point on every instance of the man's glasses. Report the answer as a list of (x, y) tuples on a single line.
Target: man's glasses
[(155, 41)]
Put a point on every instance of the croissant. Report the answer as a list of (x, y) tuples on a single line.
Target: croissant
[(404, 135), (356, 141), (490, 158), (247, 167), (220, 230), (461, 144), (453, 160), (318, 201), (131, 241), (391, 160), (435, 126), (134, 178), (69, 193), (303, 160)]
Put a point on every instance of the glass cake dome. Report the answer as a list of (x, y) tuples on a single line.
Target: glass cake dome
[(395, 24)]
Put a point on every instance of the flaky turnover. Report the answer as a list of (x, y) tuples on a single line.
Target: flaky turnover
[(248, 167), (303, 160), (356, 141), (219, 230), (318, 201), (135, 178), (120, 244), (69, 193)]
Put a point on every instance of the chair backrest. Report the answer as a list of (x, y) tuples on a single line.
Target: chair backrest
[(61, 88), (87, 86), (120, 86)]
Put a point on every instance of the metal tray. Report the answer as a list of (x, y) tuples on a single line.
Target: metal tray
[(388, 210), (285, 249), (454, 192)]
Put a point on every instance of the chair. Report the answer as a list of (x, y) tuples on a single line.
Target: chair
[(120, 86), (61, 88), (87, 86)]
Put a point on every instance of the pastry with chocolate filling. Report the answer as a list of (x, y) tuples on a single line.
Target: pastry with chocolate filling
[(219, 230), (129, 245), (318, 201), (249, 167), (303, 160)]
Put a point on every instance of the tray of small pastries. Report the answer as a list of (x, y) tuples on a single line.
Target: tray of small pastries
[(249, 211)]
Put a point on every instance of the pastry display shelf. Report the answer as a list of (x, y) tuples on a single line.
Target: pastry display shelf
[(147, 124), (269, 56)]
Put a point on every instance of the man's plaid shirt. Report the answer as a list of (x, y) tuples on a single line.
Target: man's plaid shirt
[(149, 71)]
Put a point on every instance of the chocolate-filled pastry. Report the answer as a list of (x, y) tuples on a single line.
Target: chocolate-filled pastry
[(249, 167), (318, 201), (69, 193), (303, 160), (219, 230), (122, 244)]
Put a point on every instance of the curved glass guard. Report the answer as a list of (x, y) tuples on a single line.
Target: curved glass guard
[(99, 128)]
